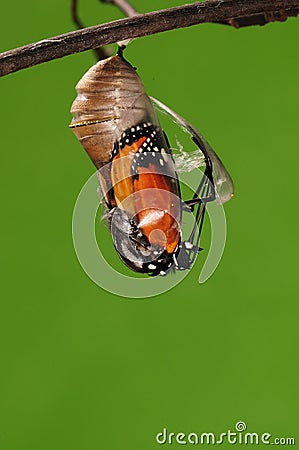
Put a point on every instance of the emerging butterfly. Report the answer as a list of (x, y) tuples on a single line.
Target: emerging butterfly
[(117, 125)]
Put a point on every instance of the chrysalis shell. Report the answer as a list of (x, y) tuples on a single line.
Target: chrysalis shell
[(111, 98)]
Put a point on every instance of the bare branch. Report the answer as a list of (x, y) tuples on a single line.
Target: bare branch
[(100, 53), (128, 11), (146, 24), (124, 6), (74, 13), (261, 19)]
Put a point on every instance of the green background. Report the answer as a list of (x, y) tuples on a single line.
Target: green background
[(84, 369)]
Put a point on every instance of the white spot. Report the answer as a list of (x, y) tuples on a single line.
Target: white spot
[(154, 154), (156, 149), (145, 153), (144, 145), (152, 266), (127, 141), (133, 129), (175, 260), (188, 245), (162, 273), (164, 154), (138, 128), (161, 162), (148, 139)]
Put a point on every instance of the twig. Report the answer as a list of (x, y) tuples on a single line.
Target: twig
[(128, 11), (75, 17), (260, 19), (144, 25), (100, 53), (124, 6)]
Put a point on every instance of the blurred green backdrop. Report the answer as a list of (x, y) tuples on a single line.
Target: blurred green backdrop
[(83, 369)]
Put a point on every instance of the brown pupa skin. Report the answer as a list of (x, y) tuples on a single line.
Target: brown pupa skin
[(111, 98)]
